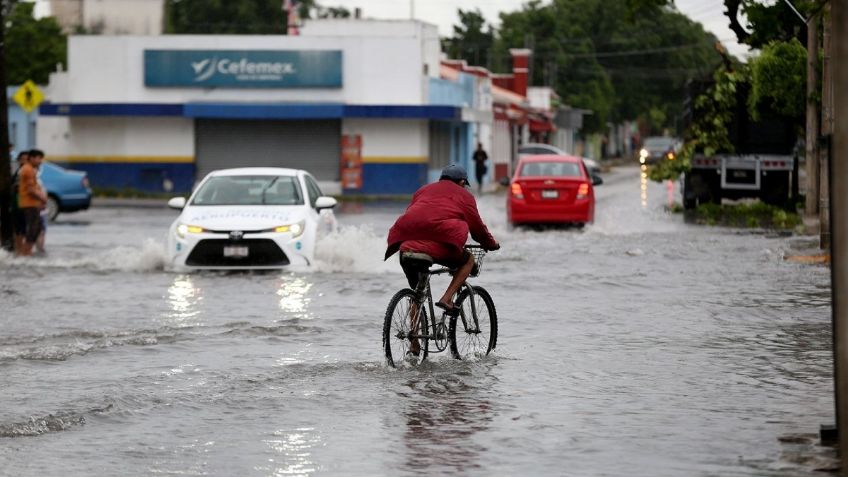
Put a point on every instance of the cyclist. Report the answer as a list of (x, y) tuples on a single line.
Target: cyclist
[(437, 223)]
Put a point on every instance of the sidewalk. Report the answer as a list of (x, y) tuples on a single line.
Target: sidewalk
[(149, 203)]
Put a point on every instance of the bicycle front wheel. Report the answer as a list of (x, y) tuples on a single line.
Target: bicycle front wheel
[(475, 331), (399, 335)]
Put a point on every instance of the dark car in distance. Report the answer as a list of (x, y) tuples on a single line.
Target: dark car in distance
[(656, 148)]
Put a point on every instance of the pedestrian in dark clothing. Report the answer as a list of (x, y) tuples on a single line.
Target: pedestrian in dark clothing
[(480, 157)]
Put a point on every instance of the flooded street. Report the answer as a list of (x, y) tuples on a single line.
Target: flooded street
[(640, 345)]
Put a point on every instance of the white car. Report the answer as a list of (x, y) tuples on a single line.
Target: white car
[(249, 218)]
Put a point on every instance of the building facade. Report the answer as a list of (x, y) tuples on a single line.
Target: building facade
[(156, 113), (109, 17), (22, 125)]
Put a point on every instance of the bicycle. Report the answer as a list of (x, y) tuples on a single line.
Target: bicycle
[(472, 331)]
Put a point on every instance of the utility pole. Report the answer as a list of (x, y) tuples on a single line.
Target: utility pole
[(826, 127), (811, 207), (839, 220), (5, 164)]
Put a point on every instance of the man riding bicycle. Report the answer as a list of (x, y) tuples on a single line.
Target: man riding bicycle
[(437, 223)]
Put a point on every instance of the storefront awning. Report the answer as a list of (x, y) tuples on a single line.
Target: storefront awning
[(541, 125)]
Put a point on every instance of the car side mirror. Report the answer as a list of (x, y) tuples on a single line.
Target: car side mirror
[(504, 181), (596, 180), (325, 202), (178, 203)]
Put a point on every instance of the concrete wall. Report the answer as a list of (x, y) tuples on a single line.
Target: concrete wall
[(110, 17), (123, 17), (22, 126), (143, 153), (394, 154)]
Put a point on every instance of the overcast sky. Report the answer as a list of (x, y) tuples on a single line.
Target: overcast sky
[(443, 13)]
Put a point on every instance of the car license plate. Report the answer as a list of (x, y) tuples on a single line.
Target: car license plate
[(233, 251), (550, 194)]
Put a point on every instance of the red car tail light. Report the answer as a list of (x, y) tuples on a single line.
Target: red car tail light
[(516, 190), (583, 191)]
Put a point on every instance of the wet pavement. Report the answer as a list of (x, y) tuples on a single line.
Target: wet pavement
[(640, 345)]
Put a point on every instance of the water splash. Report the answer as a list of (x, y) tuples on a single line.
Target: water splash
[(148, 257), (353, 249)]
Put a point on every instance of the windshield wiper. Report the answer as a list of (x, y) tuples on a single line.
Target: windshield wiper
[(265, 189)]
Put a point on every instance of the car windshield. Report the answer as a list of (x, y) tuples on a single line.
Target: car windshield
[(659, 143), (536, 150), (249, 190), (550, 169)]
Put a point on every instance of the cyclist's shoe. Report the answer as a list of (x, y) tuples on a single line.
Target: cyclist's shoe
[(411, 358), (449, 309)]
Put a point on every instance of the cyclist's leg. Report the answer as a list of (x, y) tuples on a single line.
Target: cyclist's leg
[(459, 277), (413, 277)]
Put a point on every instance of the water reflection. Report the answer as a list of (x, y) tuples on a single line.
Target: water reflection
[(643, 184), (443, 414), (294, 446), (292, 292), (183, 300)]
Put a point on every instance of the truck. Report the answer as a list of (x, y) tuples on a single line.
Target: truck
[(763, 165)]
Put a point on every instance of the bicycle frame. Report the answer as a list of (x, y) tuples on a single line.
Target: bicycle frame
[(423, 291)]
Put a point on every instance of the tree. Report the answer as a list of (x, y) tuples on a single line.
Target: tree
[(33, 47), (472, 39), (239, 16), (769, 21), (778, 79), (622, 67), (224, 16)]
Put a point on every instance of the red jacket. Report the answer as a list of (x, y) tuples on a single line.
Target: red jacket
[(442, 212)]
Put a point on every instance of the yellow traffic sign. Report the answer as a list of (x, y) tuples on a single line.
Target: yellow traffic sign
[(28, 96)]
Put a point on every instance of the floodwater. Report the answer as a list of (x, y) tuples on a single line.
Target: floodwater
[(641, 345)]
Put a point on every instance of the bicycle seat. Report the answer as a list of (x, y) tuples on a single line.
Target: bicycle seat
[(417, 260)]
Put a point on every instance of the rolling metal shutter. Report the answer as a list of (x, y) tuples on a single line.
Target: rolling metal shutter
[(313, 145)]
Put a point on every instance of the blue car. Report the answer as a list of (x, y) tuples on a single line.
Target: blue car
[(67, 190)]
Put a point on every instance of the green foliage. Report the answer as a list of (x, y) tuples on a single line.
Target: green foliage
[(750, 215), (772, 21), (33, 47), (224, 16), (714, 112), (669, 170), (708, 133), (622, 67), (239, 16), (778, 79), (472, 39)]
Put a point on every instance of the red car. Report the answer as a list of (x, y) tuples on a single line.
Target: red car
[(551, 189)]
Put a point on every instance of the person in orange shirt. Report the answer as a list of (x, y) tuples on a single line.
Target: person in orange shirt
[(31, 199), (19, 223)]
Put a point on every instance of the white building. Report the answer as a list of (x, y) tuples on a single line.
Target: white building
[(141, 111)]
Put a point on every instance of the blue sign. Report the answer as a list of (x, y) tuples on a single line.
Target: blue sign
[(243, 68)]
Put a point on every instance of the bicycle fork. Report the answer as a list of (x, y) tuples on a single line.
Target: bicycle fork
[(475, 328)]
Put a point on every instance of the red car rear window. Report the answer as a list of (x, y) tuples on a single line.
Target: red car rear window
[(550, 169)]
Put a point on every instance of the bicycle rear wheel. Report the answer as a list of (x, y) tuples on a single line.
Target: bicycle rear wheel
[(398, 334), (475, 331)]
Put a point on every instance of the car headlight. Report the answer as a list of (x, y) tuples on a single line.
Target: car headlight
[(295, 229), (184, 229), (643, 153)]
